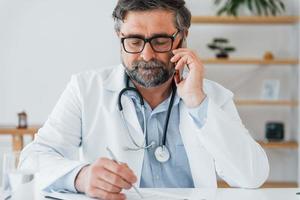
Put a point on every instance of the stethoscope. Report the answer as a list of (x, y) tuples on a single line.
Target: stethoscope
[(161, 153)]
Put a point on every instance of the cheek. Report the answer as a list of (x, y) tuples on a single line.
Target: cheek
[(128, 59), (166, 57)]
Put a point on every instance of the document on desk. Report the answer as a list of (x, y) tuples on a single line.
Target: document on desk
[(149, 194)]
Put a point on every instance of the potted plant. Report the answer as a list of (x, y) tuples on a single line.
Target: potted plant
[(219, 44), (257, 7)]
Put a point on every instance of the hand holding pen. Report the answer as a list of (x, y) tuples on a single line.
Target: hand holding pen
[(105, 179), (116, 160)]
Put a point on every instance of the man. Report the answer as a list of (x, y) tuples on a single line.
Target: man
[(205, 134)]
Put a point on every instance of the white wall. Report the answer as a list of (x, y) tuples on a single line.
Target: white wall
[(43, 42)]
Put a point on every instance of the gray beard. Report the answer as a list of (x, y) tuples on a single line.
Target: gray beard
[(149, 74)]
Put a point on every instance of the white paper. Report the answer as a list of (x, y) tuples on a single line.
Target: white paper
[(131, 195), (153, 195)]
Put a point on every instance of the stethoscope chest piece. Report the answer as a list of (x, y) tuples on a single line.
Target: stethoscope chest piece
[(162, 154)]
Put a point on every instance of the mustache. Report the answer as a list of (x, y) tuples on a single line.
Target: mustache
[(153, 63)]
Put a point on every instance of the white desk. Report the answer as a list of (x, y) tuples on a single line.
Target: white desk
[(219, 194)]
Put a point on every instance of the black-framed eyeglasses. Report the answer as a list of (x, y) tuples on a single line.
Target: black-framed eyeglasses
[(159, 43)]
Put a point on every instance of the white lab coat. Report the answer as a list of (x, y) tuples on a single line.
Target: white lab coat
[(86, 119)]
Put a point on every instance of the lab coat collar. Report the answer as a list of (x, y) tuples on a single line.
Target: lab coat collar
[(115, 81)]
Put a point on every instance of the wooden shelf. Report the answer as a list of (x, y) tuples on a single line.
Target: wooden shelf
[(245, 20), (257, 102), (268, 184), (279, 145), (9, 130), (251, 61)]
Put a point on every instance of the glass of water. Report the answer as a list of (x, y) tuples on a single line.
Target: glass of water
[(15, 179)]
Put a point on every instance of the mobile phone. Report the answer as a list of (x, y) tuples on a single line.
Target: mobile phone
[(179, 73)]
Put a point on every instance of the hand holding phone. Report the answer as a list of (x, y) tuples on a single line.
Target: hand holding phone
[(190, 82)]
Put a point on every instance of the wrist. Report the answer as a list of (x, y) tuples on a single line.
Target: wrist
[(80, 179), (195, 100)]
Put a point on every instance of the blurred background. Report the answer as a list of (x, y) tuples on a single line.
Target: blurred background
[(42, 43)]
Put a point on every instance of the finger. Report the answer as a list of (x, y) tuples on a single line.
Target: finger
[(175, 58), (114, 179), (175, 51), (192, 62), (190, 53), (181, 63), (98, 193), (121, 170), (183, 53), (102, 184)]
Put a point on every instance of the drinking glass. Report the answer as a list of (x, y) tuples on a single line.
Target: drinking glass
[(18, 180)]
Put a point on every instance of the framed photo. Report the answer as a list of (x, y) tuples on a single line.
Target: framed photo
[(270, 89)]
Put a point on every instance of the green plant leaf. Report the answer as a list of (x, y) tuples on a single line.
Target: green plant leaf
[(265, 7), (271, 5), (282, 5), (249, 3), (224, 8), (274, 6), (257, 5), (220, 40), (234, 7), (213, 46), (229, 6), (229, 49)]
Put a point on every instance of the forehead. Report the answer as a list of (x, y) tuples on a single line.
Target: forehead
[(148, 22)]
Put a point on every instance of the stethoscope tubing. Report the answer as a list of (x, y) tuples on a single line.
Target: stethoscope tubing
[(120, 106)]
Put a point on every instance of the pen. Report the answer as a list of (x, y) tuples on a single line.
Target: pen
[(116, 160), (49, 197)]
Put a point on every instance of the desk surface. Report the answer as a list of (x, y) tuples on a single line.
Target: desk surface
[(220, 194)]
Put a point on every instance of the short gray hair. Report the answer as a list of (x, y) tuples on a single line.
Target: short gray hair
[(182, 16)]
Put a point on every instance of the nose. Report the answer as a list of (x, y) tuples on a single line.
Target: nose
[(147, 54)]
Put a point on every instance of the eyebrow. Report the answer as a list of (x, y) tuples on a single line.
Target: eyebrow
[(154, 35)]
